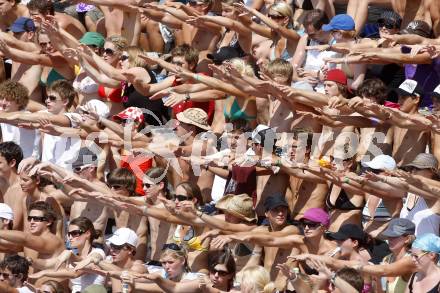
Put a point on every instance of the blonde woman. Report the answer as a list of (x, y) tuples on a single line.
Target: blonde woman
[(255, 279)]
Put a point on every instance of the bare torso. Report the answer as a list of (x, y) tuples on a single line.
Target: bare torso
[(407, 144)]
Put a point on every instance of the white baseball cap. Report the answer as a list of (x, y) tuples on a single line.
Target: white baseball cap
[(256, 135), (6, 212), (124, 236), (381, 162)]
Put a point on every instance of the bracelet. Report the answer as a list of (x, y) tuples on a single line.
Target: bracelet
[(346, 180), (144, 210), (278, 163), (197, 77), (333, 278), (199, 214), (187, 97)]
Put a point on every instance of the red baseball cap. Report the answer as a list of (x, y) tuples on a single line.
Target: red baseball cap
[(337, 75)]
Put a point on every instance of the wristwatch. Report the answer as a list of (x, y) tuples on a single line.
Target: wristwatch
[(187, 97)]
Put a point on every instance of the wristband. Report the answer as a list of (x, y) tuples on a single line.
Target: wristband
[(278, 163), (346, 180), (199, 214), (144, 210), (187, 97), (197, 77)]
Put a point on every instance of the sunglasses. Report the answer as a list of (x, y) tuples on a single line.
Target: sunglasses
[(52, 98), (75, 233), (36, 219), (220, 273), (80, 168), (311, 225), (195, 3), (109, 51), (278, 16), (180, 197), (117, 247), (172, 246), (147, 185), (123, 58)]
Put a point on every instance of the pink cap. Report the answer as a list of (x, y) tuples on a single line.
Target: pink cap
[(317, 215)]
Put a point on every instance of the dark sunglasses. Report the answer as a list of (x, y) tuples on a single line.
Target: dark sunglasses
[(109, 51), (117, 247), (172, 246), (75, 233), (36, 219), (147, 185), (123, 58), (220, 273), (278, 16), (180, 197), (311, 225), (52, 98)]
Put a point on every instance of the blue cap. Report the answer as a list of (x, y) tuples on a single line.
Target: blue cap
[(343, 22), (22, 24), (427, 242)]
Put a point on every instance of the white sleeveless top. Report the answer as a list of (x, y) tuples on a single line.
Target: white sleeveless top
[(422, 216)]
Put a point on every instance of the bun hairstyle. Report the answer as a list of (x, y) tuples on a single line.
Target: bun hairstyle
[(85, 224)]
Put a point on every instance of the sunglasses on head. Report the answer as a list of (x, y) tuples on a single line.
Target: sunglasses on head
[(219, 272), (180, 197), (311, 225), (52, 98), (109, 51), (123, 58), (75, 233), (172, 246), (36, 219)]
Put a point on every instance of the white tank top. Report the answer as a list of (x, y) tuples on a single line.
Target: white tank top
[(422, 216)]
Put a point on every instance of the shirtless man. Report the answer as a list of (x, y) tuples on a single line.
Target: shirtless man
[(122, 255), (154, 191), (306, 190), (432, 8), (10, 10), (407, 141), (203, 39), (435, 137), (44, 8), (120, 19), (13, 196), (277, 222), (23, 38), (39, 242), (122, 182)]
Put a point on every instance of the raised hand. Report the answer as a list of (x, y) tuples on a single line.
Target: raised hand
[(286, 271), (134, 74), (4, 48), (64, 257)]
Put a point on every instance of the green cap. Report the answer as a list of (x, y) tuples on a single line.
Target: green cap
[(92, 38)]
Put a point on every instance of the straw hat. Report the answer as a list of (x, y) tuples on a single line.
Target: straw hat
[(240, 206), (194, 116)]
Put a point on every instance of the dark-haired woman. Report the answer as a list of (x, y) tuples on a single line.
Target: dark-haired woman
[(81, 234)]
